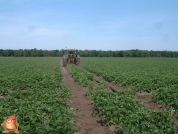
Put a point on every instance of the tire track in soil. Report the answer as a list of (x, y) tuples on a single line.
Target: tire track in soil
[(145, 98), (85, 122), (112, 86)]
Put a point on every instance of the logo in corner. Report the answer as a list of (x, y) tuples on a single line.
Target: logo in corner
[(10, 124)]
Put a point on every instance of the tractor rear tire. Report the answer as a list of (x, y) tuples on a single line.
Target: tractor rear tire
[(77, 61), (64, 62)]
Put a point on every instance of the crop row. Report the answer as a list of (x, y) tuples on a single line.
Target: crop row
[(156, 75), (122, 110), (31, 89)]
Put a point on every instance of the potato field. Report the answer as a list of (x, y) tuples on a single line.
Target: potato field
[(34, 90), (31, 89), (158, 76)]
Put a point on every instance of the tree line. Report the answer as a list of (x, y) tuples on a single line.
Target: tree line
[(86, 53)]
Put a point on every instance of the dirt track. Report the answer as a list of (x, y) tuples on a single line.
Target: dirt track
[(87, 124)]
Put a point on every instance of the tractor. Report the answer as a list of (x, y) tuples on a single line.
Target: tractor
[(71, 56)]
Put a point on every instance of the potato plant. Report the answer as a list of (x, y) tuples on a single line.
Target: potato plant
[(31, 89), (122, 110), (156, 75), (80, 77)]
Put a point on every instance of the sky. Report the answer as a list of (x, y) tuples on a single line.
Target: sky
[(89, 24)]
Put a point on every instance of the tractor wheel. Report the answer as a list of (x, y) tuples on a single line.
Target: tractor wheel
[(64, 62), (77, 61)]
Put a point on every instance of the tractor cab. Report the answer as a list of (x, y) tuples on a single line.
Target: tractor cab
[(72, 52)]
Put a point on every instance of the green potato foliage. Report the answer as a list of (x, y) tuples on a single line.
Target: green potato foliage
[(122, 110), (80, 77), (158, 76), (32, 90)]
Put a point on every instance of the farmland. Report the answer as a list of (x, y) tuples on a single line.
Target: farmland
[(32, 89), (122, 109), (158, 76)]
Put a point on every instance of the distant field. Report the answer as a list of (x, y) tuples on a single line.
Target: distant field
[(156, 75)]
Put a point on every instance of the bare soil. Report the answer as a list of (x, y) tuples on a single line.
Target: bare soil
[(113, 86), (148, 101), (2, 97), (144, 97), (175, 115), (85, 122)]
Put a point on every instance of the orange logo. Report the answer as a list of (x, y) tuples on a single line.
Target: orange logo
[(10, 124)]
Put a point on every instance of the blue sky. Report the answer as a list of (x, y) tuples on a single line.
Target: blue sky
[(89, 24)]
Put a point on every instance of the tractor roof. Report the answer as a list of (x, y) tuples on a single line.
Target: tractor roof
[(71, 49)]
